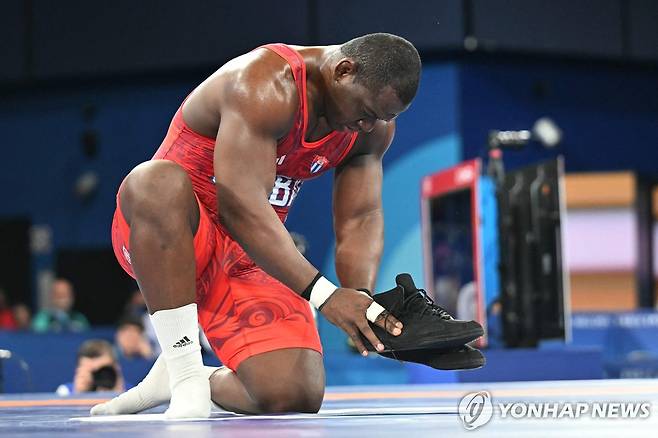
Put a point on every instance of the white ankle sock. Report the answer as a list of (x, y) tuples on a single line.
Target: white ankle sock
[(152, 391), (178, 334)]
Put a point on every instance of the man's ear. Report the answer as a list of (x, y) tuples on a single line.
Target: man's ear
[(345, 68)]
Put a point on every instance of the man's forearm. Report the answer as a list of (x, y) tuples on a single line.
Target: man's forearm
[(359, 246), (258, 230)]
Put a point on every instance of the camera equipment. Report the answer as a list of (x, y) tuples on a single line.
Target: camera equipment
[(104, 378)]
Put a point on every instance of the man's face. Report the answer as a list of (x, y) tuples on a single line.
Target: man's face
[(129, 338), (353, 107), (62, 295), (22, 316)]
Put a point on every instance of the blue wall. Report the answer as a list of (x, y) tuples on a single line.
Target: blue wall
[(42, 153), (609, 115)]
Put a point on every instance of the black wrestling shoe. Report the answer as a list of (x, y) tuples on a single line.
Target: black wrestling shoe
[(426, 325), (461, 358)]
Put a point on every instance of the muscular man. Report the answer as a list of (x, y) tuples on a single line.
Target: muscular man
[(201, 225)]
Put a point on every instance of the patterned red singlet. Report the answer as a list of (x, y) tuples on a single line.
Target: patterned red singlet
[(243, 310)]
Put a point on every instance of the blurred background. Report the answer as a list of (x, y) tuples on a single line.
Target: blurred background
[(552, 245)]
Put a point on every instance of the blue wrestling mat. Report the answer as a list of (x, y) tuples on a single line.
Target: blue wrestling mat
[(600, 408)]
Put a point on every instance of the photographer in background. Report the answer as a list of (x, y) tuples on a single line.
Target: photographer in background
[(97, 370), (135, 308)]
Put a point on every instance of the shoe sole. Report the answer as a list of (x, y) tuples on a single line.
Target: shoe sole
[(434, 343), (441, 360), (452, 342)]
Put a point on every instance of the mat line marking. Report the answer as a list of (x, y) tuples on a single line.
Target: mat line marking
[(339, 396), (325, 413)]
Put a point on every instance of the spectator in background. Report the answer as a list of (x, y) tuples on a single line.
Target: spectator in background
[(22, 316), (136, 308), (7, 321), (97, 370), (131, 340), (60, 317)]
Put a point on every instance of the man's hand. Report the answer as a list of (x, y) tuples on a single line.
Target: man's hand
[(346, 308), (83, 380)]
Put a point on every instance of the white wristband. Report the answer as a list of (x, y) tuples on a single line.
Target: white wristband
[(373, 311), (321, 292)]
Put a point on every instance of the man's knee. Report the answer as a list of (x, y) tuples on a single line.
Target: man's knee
[(286, 380), (157, 187), (293, 398)]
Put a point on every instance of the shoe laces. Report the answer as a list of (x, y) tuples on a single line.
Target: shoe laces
[(419, 300)]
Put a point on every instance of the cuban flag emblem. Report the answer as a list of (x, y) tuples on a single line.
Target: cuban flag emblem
[(318, 163)]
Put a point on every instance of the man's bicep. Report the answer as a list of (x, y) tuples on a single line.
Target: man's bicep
[(255, 112), (244, 154)]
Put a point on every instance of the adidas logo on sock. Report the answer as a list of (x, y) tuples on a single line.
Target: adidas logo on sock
[(183, 342)]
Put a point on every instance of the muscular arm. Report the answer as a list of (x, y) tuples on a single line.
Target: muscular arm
[(255, 112), (358, 215)]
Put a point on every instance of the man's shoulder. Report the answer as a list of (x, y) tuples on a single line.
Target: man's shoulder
[(43, 314), (261, 74), (260, 87)]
